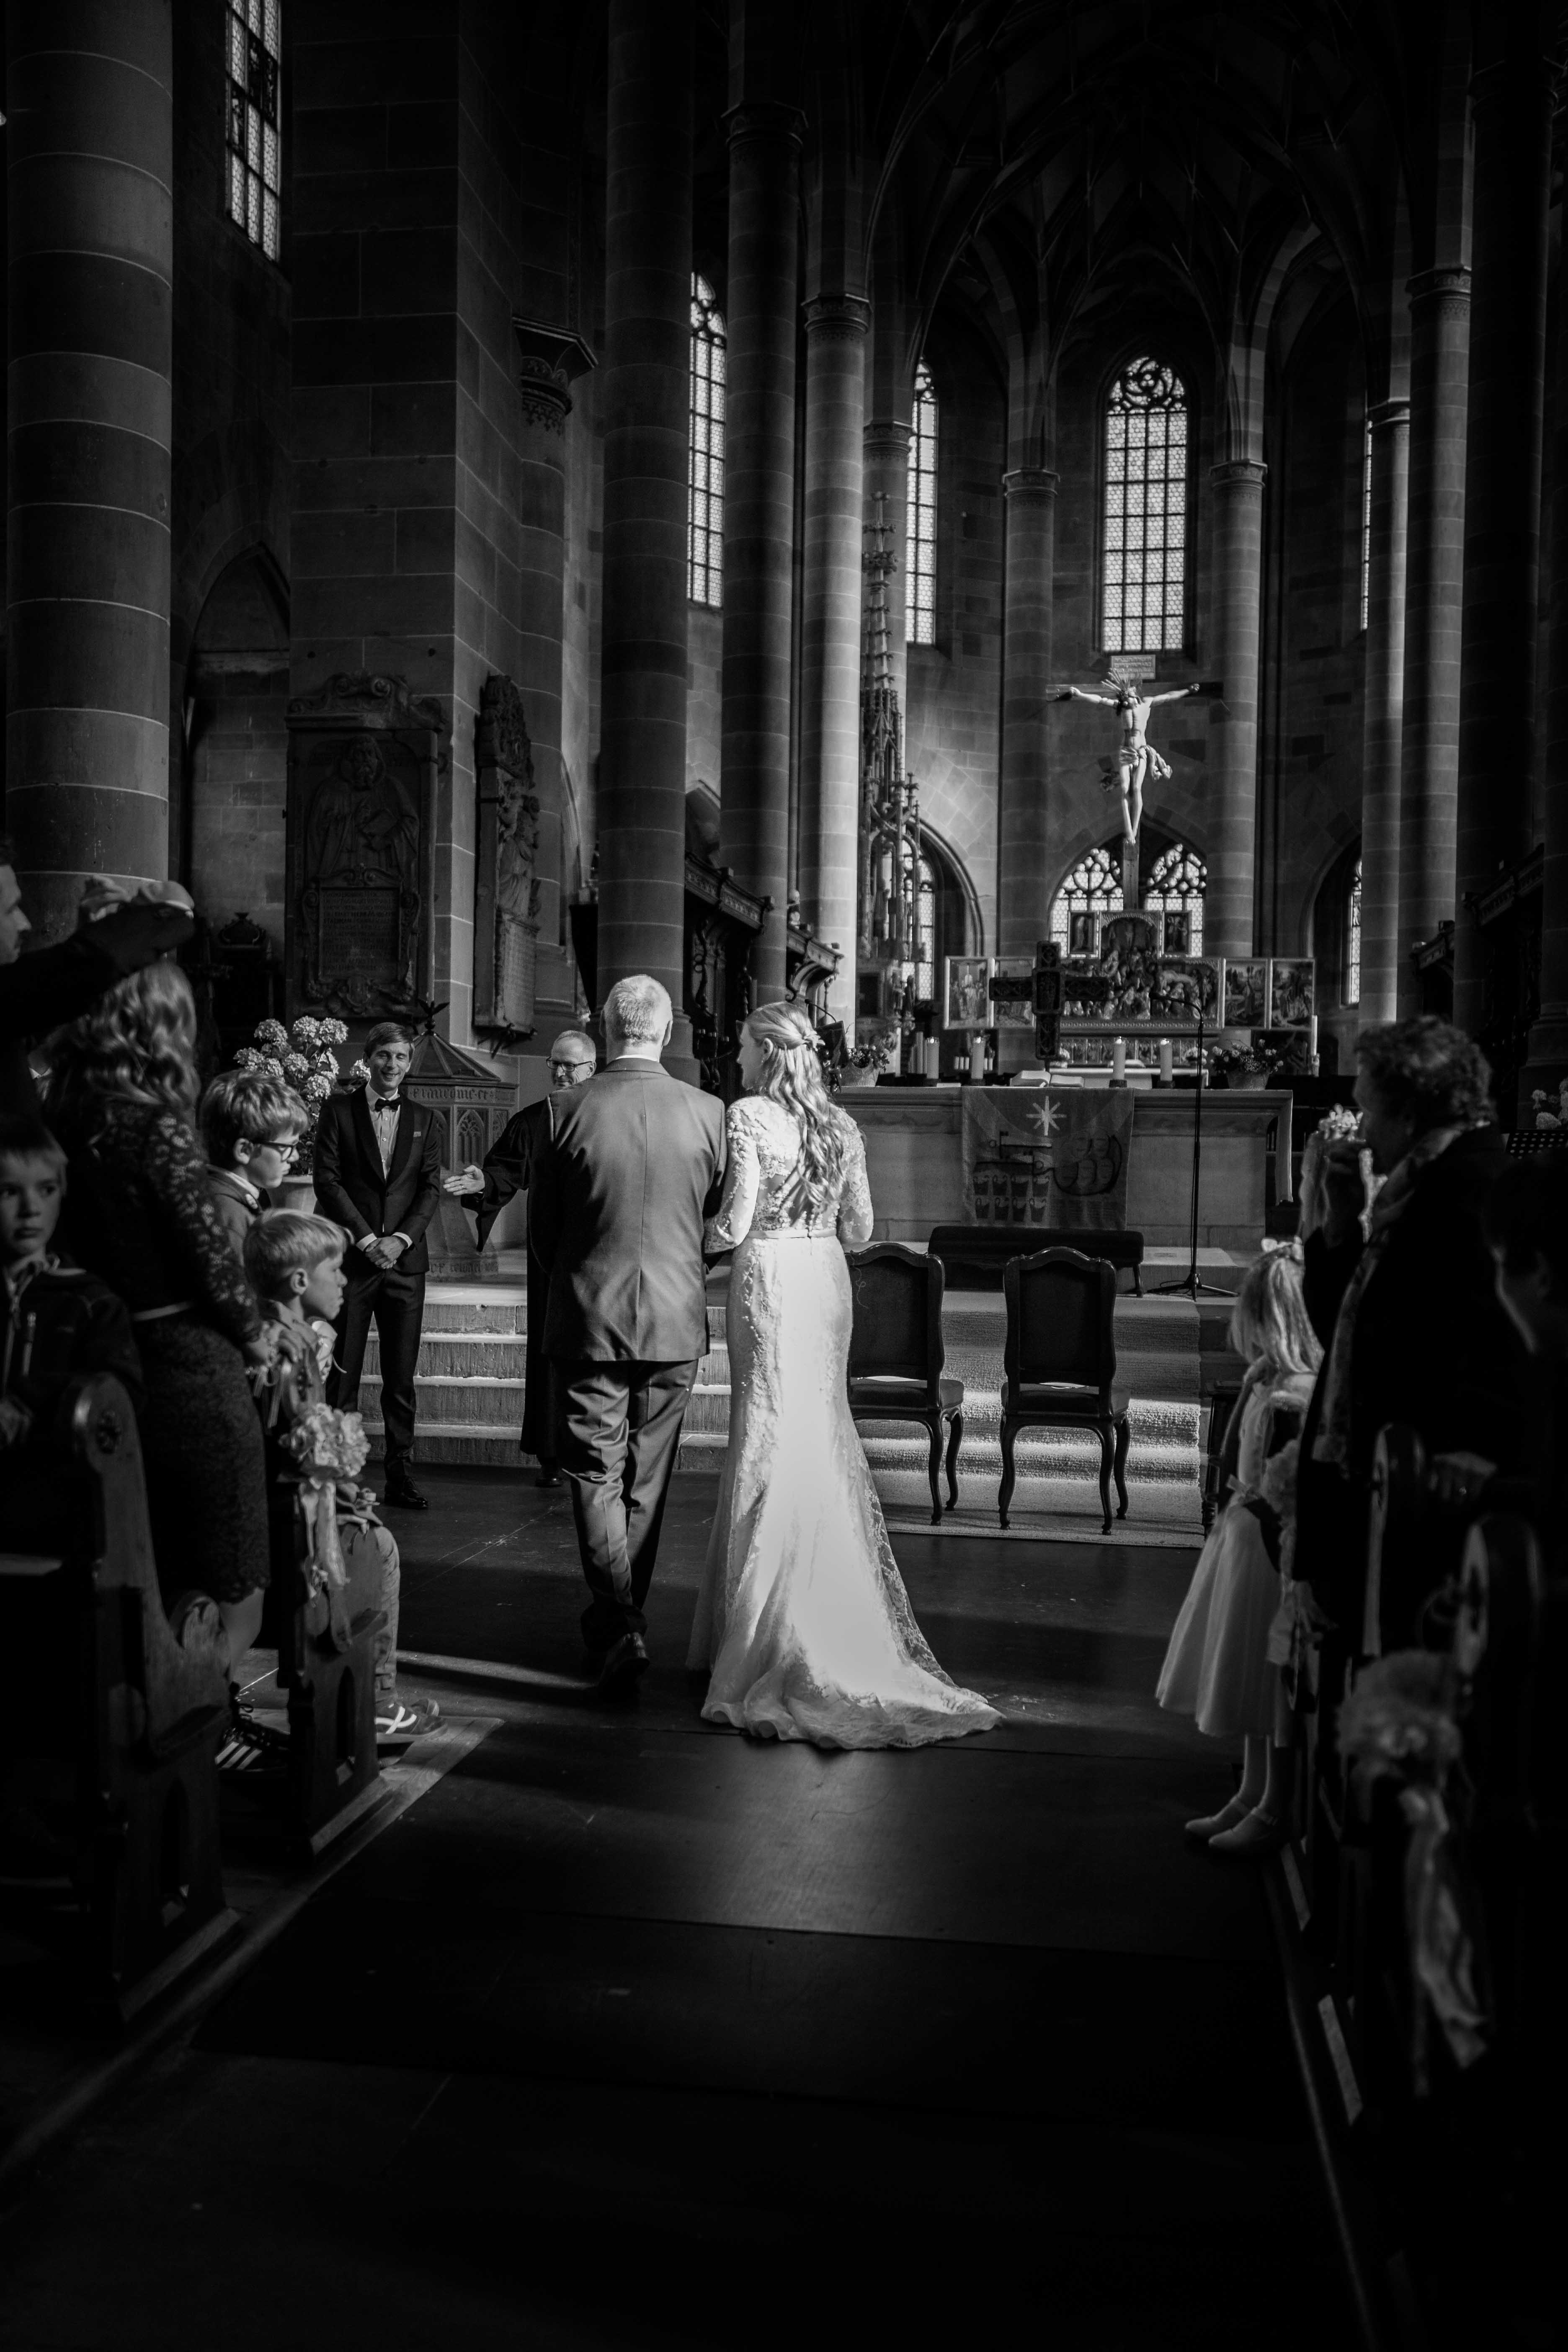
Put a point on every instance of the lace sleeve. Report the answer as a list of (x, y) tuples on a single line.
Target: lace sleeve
[(743, 1177), (856, 1222), (176, 1174)]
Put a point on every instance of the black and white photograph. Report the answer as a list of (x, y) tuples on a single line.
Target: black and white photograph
[(783, 1176)]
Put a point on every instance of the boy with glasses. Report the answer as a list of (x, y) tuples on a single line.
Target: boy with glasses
[(251, 1124)]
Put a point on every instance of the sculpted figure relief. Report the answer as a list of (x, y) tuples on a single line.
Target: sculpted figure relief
[(1127, 768)]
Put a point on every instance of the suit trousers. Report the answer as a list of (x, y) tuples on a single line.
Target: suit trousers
[(395, 1301), (619, 1433)]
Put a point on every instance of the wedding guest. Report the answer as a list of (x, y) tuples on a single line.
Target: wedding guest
[(1400, 1293), (53, 984), (509, 1169), (378, 1173), (295, 1263), (1217, 1667), (57, 1323), (251, 1124), (140, 1215)]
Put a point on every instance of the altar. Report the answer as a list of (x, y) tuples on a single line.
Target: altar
[(915, 1162)]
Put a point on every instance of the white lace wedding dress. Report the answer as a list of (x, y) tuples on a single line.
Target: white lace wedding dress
[(803, 1616)]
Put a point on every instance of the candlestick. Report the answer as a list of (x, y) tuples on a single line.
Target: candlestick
[(1119, 1060), (933, 1057), (1167, 1062), (976, 1059)]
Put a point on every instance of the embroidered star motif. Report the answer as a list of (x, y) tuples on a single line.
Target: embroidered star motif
[(1047, 1116)]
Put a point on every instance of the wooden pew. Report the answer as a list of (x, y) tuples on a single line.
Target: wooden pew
[(116, 1706)]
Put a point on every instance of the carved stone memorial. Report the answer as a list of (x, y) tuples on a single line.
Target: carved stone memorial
[(507, 889), (363, 757)]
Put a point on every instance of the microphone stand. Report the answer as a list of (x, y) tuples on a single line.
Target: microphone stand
[(1189, 1286)]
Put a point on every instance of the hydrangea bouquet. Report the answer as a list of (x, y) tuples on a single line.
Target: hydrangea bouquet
[(303, 1057)]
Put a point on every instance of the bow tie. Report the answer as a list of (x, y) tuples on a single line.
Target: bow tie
[(385, 1102)]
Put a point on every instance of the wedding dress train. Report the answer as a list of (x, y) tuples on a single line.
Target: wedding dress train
[(803, 1616)]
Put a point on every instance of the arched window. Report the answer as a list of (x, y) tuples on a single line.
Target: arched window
[(1352, 991), (1093, 889), (255, 158), (925, 966), (1144, 561), (705, 513), (1177, 885), (920, 627)]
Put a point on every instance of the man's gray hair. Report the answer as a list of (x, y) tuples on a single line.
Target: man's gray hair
[(573, 1037), (638, 1010)]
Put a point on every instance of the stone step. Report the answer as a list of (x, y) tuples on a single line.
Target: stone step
[(471, 1355)]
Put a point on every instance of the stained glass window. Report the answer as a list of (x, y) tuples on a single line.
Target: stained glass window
[(705, 521), (252, 132), (1365, 521), (1352, 938), (925, 966), (1145, 550), (1175, 889), (1093, 889), (921, 628)]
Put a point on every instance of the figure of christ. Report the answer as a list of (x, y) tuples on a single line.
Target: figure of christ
[(1135, 756)]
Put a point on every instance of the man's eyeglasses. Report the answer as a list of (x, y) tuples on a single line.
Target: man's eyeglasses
[(568, 1069)]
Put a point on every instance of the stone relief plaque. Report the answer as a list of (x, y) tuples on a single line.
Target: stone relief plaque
[(506, 882), (363, 762)]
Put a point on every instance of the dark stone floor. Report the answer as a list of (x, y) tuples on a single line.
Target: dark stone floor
[(634, 2032)]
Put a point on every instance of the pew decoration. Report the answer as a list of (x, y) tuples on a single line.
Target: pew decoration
[(329, 1449), (1400, 1724), (1296, 1628)]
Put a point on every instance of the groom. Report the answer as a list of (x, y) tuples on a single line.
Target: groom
[(621, 1185)]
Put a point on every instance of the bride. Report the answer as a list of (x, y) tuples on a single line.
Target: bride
[(803, 1616)]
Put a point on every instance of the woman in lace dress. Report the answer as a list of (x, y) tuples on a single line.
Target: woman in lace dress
[(803, 1616)]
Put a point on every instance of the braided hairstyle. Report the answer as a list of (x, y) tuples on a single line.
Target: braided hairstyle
[(791, 1074)]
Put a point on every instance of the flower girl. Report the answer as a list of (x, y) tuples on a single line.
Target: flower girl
[(1217, 1667)]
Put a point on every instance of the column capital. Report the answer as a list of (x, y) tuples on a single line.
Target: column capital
[(1449, 286), (1502, 80), (550, 361), (1031, 485), (1231, 471), (838, 317), (764, 118), (1387, 416), (885, 438)]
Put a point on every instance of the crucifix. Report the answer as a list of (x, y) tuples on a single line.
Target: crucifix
[(1128, 768)]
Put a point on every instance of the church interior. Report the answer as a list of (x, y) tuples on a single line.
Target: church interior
[(1036, 529)]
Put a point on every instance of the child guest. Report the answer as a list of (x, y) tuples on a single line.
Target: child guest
[(1218, 1666), (296, 1266), (251, 1124), (56, 1322)]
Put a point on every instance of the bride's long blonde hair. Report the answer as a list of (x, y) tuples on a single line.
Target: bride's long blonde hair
[(791, 1074)]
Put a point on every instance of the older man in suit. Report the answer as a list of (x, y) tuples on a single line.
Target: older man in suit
[(620, 1192), (378, 1172)]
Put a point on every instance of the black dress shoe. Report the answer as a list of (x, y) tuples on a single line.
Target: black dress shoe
[(624, 1661), (405, 1495)]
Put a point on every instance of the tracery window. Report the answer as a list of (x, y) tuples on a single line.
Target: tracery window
[(1365, 522), (1144, 556), (1093, 889), (920, 515), (252, 134), (1176, 885), (925, 966), (1352, 938), (705, 512)]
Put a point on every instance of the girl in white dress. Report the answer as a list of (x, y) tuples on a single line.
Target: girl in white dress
[(1218, 1666), (802, 1617)]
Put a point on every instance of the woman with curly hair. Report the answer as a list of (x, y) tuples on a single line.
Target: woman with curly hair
[(802, 1617), (139, 1215)]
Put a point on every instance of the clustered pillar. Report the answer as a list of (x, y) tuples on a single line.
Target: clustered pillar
[(644, 391), (1388, 492), (1548, 1063), (830, 664), (759, 519), (89, 173), (1023, 864), (1238, 485)]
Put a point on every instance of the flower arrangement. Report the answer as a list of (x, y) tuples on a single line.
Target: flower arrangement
[(1399, 1722), (1549, 1112), (304, 1058), (1339, 1124), (1237, 1061), (327, 1445), (872, 1054)]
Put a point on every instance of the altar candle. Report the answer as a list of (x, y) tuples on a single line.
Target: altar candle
[(1167, 1062), (976, 1060), (1119, 1060), (933, 1057)]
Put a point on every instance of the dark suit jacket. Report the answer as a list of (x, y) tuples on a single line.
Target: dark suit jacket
[(1432, 1348), (350, 1187), (508, 1163), (619, 1193), (48, 986)]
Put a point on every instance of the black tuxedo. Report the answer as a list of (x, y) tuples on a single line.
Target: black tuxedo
[(631, 1165), (352, 1187), (509, 1169)]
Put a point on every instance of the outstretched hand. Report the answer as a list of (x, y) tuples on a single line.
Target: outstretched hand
[(467, 1179)]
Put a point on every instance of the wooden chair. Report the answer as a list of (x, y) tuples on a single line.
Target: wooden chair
[(116, 1706), (1060, 1363), (896, 1354)]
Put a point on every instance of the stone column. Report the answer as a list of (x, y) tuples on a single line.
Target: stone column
[(1547, 1061), (759, 518), (1023, 877), (1238, 485), (1434, 571), (830, 651), (1389, 422), (887, 475), (1510, 105), (90, 188), (644, 393)]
